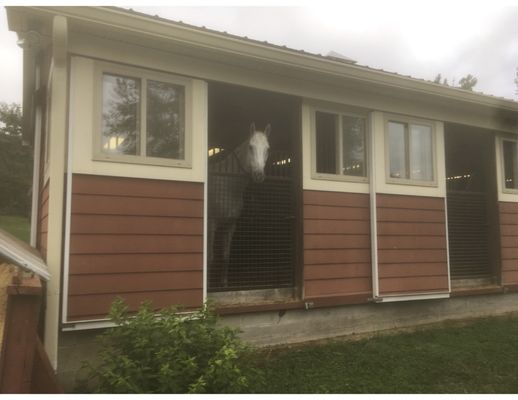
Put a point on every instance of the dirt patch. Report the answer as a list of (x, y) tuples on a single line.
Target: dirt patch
[(6, 273)]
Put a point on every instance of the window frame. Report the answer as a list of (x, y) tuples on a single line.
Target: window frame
[(409, 121), (514, 140), (143, 75), (346, 112)]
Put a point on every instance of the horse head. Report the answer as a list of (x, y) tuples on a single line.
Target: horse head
[(257, 152)]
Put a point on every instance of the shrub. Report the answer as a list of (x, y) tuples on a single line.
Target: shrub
[(170, 353)]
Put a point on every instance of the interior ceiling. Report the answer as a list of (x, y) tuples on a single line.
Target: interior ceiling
[(233, 108)]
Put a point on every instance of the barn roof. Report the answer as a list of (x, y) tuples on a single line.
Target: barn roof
[(331, 56), (149, 28), (19, 253)]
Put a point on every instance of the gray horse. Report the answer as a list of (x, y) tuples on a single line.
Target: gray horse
[(248, 160)]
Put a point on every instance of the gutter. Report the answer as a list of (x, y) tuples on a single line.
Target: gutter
[(32, 116)]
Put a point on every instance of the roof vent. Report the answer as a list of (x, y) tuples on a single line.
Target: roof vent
[(333, 55)]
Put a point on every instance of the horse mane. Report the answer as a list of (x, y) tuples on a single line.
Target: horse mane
[(227, 160)]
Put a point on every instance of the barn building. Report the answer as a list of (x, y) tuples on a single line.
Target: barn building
[(386, 201)]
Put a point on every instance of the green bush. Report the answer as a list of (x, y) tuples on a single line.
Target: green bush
[(170, 353)]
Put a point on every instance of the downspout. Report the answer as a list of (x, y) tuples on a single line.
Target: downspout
[(29, 41), (36, 167), (373, 210)]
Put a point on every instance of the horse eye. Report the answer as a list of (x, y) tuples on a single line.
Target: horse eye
[(250, 147)]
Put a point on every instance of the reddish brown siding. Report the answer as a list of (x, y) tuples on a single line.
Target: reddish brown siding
[(509, 242), (136, 238), (43, 216), (336, 245), (412, 252)]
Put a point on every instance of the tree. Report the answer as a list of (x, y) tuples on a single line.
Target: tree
[(516, 80), (164, 117), (15, 163), (439, 80), (468, 82), (10, 119)]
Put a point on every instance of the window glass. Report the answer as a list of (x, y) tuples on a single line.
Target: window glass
[(421, 163), (397, 141), (165, 120), (326, 128), (510, 165), (120, 119), (353, 151)]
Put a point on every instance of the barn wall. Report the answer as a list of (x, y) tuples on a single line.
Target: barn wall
[(412, 248), (336, 244), (43, 213), (509, 242), (141, 239)]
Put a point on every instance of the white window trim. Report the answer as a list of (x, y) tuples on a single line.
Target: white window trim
[(339, 112), (500, 148), (144, 75), (409, 121)]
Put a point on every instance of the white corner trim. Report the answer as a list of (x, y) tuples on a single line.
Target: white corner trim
[(375, 118), (447, 242), (412, 297), (103, 323), (68, 204), (87, 325), (56, 170)]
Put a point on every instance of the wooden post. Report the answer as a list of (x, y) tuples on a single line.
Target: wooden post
[(20, 336)]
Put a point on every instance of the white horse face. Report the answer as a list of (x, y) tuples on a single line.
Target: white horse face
[(258, 147)]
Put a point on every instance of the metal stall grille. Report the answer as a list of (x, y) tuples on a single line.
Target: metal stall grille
[(468, 234), (262, 246)]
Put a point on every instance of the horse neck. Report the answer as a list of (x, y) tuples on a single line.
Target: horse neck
[(241, 153)]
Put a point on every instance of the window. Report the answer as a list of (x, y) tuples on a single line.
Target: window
[(410, 152), (340, 145), (143, 117), (509, 150)]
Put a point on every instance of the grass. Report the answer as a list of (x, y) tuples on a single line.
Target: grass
[(17, 226), (481, 357)]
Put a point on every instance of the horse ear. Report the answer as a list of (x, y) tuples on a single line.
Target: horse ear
[(252, 128), (267, 130)]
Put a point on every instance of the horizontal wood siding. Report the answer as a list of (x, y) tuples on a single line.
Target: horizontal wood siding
[(412, 251), (337, 259), (508, 213), (135, 238), (43, 217)]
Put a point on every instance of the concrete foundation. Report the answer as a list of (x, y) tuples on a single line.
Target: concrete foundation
[(295, 326)]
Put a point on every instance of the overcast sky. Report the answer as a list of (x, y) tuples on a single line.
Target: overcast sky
[(420, 39)]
